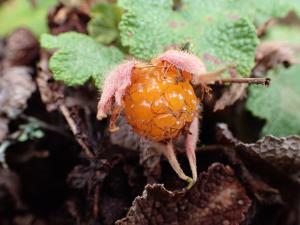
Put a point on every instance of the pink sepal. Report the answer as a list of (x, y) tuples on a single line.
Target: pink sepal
[(184, 61), (114, 86)]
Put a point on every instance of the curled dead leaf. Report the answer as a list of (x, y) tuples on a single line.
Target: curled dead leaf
[(149, 156), (64, 18), (22, 48), (3, 128), (269, 55), (125, 136), (9, 195), (51, 91), (217, 198), (283, 153), (16, 87), (234, 93)]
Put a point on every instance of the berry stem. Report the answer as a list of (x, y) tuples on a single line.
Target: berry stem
[(169, 152), (263, 81)]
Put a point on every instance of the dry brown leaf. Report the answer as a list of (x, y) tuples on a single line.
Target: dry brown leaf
[(224, 135), (3, 128), (16, 87), (217, 198), (22, 48), (150, 160), (63, 18), (51, 91), (125, 136), (9, 195), (270, 55), (283, 153), (149, 156), (234, 93)]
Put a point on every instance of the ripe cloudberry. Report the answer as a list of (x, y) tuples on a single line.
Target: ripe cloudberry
[(159, 101)]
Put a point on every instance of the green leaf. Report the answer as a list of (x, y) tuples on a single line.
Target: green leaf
[(205, 24), (30, 131), (79, 58), (259, 11), (103, 26), (20, 13), (279, 104)]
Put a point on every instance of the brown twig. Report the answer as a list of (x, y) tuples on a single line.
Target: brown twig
[(66, 113), (263, 81), (44, 125), (261, 30), (96, 199)]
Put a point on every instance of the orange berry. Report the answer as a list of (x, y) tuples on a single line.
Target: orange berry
[(160, 101)]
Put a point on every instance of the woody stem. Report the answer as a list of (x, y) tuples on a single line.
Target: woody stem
[(264, 81)]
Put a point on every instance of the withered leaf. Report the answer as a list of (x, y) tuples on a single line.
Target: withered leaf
[(9, 195), (150, 160), (3, 128), (51, 91), (84, 176), (149, 155), (283, 153), (62, 18), (234, 93), (16, 87), (269, 55), (217, 198), (125, 136), (224, 135), (22, 48)]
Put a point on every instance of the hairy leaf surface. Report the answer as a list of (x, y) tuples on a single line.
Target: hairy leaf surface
[(79, 58)]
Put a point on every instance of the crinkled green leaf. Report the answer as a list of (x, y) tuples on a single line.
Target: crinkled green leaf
[(150, 27), (103, 26), (259, 11), (79, 58), (30, 131), (20, 13), (279, 104)]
